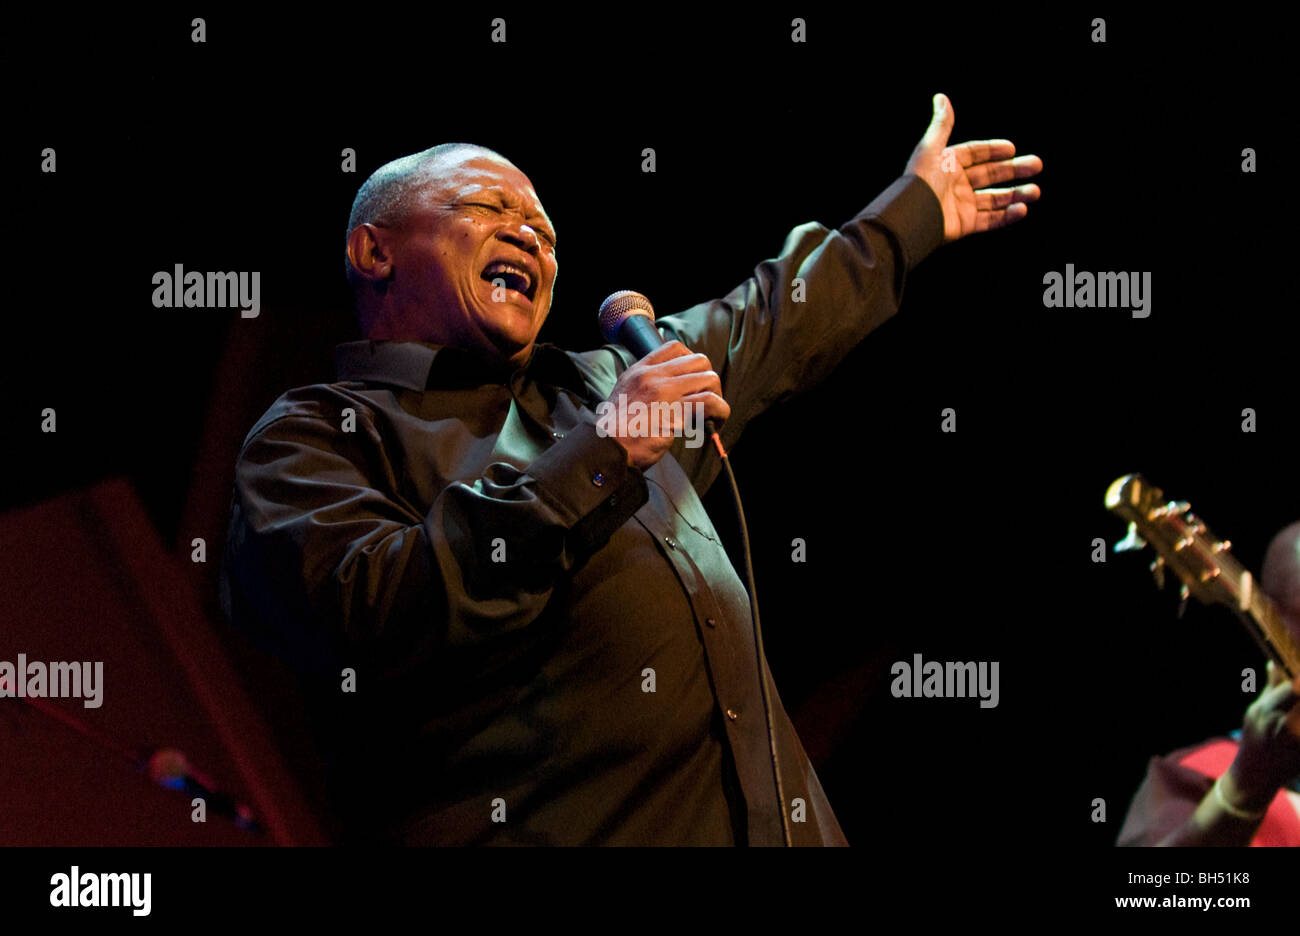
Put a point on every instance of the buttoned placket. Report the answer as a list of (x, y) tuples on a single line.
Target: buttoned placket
[(737, 696), (722, 646), (520, 385)]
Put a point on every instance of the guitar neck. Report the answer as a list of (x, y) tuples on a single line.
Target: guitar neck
[(1262, 617), (1258, 612), (1204, 564)]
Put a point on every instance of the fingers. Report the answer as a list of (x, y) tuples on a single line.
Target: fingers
[(974, 152), (687, 363), (1279, 698), (666, 352), (1276, 675), (684, 385), (675, 421), (715, 407), (687, 373), (992, 220), (990, 199), (672, 374), (1022, 167), (997, 208), (978, 152), (672, 419), (676, 368)]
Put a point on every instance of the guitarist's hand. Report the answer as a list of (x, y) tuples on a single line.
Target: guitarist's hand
[(1269, 754)]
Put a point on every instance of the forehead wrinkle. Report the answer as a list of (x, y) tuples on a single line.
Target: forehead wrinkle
[(502, 187), (459, 180)]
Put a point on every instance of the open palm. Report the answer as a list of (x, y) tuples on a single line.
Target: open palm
[(961, 177)]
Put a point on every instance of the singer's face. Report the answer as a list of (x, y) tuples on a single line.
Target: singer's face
[(476, 259)]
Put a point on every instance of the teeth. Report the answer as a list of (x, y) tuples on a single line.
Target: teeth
[(500, 266)]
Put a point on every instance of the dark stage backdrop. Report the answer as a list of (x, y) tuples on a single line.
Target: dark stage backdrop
[(974, 545)]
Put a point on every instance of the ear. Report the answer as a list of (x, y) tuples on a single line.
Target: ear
[(368, 252)]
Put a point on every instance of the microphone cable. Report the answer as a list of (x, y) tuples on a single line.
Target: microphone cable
[(758, 628)]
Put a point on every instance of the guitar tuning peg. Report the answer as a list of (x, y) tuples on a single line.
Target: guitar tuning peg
[(1223, 546), (1158, 571), (1183, 593), (1131, 541)]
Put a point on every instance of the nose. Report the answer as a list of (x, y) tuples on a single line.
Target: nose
[(521, 235)]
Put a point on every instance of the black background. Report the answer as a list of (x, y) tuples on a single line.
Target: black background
[(967, 546)]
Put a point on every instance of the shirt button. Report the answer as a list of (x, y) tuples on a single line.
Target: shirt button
[(672, 543), (732, 714), (598, 479), (711, 622)]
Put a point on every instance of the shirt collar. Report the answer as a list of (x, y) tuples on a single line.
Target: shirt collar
[(420, 366)]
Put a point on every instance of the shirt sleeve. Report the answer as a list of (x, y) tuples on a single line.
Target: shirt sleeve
[(1167, 798), (785, 328), (326, 561)]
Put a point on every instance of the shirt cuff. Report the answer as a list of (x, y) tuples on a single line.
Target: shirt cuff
[(586, 477), (911, 211)]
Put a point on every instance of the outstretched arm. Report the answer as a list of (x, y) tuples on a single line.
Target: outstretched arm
[(789, 325)]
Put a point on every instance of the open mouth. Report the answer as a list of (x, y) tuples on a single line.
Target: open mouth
[(511, 276)]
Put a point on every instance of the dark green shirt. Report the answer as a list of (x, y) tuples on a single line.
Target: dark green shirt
[(501, 582)]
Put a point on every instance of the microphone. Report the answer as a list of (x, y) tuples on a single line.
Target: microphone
[(628, 318)]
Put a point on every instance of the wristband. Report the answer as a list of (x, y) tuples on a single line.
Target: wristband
[(1234, 810)]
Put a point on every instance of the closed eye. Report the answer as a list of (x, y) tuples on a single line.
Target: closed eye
[(545, 234)]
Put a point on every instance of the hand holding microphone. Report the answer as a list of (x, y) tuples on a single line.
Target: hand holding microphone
[(667, 373)]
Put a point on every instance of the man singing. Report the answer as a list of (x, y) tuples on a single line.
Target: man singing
[(518, 628)]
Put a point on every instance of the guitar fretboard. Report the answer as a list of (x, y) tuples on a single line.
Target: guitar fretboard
[(1268, 619)]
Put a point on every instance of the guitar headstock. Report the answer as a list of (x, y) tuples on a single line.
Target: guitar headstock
[(1182, 544)]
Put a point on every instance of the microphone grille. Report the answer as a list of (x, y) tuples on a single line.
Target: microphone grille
[(617, 308)]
